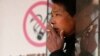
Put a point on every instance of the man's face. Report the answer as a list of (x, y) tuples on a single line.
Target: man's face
[(61, 20)]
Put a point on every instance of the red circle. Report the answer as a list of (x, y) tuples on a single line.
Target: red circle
[(24, 24)]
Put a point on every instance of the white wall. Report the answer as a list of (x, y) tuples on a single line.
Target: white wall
[(13, 42)]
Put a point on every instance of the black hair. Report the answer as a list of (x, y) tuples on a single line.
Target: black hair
[(69, 5)]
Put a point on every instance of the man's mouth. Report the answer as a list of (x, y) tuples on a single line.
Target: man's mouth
[(56, 30)]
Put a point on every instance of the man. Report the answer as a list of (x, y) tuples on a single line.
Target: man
[(61, 28)]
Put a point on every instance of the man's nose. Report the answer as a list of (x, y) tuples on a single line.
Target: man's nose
[(52, 21)]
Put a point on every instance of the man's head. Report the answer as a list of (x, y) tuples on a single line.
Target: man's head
[(62, 15)]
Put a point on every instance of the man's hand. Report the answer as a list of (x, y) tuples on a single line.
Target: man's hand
[(54, 41)]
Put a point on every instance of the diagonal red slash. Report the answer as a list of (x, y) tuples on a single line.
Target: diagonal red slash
[(38, 20)]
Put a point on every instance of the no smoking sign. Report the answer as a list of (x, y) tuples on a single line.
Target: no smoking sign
[(34, 24)]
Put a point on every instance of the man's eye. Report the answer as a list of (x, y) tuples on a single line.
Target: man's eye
[(58, 14)]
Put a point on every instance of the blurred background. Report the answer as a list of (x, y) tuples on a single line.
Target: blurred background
[(87, 15)]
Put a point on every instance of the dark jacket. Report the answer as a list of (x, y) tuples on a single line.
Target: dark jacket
[(70, 47)]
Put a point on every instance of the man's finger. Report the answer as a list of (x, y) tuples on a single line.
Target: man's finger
[(92, 33), (94, 28), (62, 34)]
